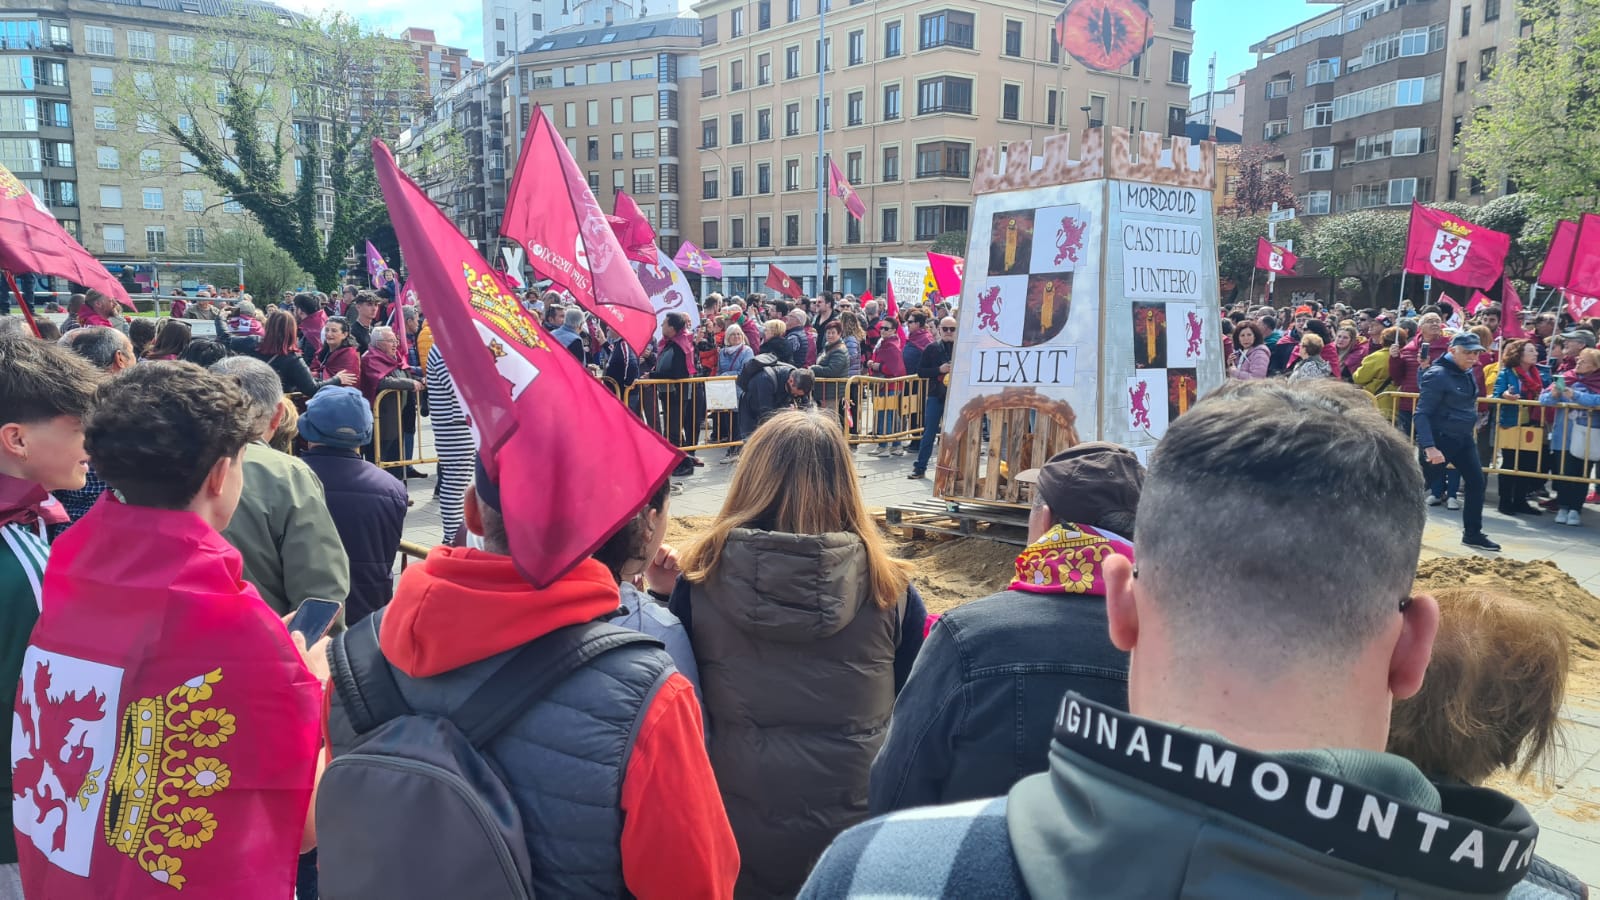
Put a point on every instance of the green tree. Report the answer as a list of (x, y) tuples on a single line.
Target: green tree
[(1537, 118), (1236, 244), (1366, 245), (951, 243), (1530, 220), (268, 269), (280, 113)]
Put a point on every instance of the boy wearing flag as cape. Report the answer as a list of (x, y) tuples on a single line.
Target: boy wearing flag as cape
[(167, 724)]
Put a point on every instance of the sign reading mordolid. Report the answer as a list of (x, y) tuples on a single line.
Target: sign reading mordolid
[(1091, 290)]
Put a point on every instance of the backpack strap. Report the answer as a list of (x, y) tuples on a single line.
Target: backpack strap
[(363, 678), (533, 671)]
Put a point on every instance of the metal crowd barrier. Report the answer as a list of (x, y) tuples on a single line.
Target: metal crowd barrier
[(409, 552), (1531, 456), (702, 413), (390, 425)]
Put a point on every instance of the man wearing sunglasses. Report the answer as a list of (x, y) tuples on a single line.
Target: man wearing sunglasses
[(935, 365)]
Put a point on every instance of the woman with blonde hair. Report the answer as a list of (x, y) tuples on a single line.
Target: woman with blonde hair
[(804, 628), (1311, 363), (1490, 702)]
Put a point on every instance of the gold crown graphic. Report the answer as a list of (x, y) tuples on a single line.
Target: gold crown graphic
[(486, 296), (1456, 228)]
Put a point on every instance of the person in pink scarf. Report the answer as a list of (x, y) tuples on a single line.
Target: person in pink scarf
[(382, 369)]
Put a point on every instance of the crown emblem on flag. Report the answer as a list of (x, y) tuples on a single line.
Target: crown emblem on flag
[(1455, 228), (10, 187), (486, 296)]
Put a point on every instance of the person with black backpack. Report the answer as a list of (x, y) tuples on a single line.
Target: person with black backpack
[(495, 740)]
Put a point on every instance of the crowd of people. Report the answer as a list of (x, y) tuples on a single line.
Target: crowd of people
[(771, 710), (1432, 378)]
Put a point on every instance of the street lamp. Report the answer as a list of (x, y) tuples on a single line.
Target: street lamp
[(1088, 118)]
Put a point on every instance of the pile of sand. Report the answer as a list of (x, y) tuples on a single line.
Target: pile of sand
[(1541, 583)]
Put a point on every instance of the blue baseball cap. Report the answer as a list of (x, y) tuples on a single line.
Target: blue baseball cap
[(1466, 340), (337, 417)]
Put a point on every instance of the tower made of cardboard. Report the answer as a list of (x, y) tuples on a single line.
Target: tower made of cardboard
[(1089, 309)]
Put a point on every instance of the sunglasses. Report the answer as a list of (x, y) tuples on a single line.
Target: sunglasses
[(948, 330)]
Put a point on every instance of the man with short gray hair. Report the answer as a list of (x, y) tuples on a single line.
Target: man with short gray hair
[(282, 529), (570, 334), (1276, 781), (105, 348)]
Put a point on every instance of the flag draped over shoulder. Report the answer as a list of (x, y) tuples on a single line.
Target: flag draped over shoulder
[(31, 240), (1453, 249), (167, 730), (779, 280), (553, 214), (1272, 258), (534, 407), (948, 272)]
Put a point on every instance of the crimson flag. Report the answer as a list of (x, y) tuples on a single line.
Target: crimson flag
[(1510, 310), (167, 730), (633, 230), (1584, 279), (31, 240), (1558, 259), (1458, 319), (569, 240), (523, 392), (1582, 307), (839, 186), (948, 273), (1453, 249), (1274, 259), (375, 266), (779, 280)]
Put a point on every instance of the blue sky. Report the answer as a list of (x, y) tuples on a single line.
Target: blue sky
[(1228, 28), (458, 23)]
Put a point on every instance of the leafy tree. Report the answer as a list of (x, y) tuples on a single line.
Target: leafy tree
[(280, 113), (1262, 181), (1236, 244), (268, 268), (1530, 220), (1367, 245), (951, 243), (1537, 119)]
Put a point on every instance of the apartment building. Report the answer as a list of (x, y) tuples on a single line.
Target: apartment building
[(456, 152), (439, 65), (911, 90), (625, 98), (1363, 102), (508, 24)]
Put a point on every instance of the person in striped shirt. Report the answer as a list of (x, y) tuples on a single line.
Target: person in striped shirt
[(45, 391)]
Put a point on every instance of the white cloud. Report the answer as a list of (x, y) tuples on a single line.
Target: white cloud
[(460, 27)]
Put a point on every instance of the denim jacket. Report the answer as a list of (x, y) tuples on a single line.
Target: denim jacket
[(976, 714)]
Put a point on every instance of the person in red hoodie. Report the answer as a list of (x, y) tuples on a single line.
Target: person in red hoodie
[(642, 819)]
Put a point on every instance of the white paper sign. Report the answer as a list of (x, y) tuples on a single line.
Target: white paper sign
[(1161, 260), (907, 277), (721, 395)]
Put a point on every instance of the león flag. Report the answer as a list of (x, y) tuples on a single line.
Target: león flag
[(779, 280), (523, 393), (1274, 259), (31, 240), (1453, 249)]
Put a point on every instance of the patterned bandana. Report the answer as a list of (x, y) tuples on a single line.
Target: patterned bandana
[(1066, 560)]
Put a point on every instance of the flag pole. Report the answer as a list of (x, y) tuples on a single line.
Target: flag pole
[(1252, 284), (27, 312), (822, 107), (1400, 301)]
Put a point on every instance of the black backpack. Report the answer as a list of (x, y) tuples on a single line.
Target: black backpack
[(413, 808)]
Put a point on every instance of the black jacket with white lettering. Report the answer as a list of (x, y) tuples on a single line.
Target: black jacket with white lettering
[(1133, 808)]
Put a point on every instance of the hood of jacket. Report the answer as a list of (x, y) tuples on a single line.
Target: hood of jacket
[(1214, 819), (794, 588), (460, 606)]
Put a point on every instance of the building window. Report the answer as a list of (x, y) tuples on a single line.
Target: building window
[(891, 39), (946, 94), (791, 62), (736, 75), (99, 41), (1011, 102), (708, 32), (644, 145), (948, 28), (763, 15), (1275, 129), (794, 10), (155, 239), (142, 45), (891, 102), (1321, 71), (708, 133), (107, 158), (1466, 20), (856, 45), (1316, 203), (1318, 115), (791, 230), (1461, 76), (933, 221), (708, 81), (149, 160), (764, 178), (1013, 38), (791, 174), (852, 167), (1491, 10), (891, 164), (115, 238), (194, 241), (764, 69), (764, 231), (736, 181), (154, 199), (736, 233), (708, 235), (194, 201), (944, 160), (1455, 128), (852, 230), (1404, 92), (736, 22), (668, 178), (763, 124), (102, 81), (1050, 101), (791, 119), (1486, 59), (1279, 87), (889, 230), (1183, 14), (110, 196), (855, 108), (1402, 191), (1454, 183), (1316, 159), (1180, 67), (105, 118)]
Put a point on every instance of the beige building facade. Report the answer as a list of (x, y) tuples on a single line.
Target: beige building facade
[(911, 90)]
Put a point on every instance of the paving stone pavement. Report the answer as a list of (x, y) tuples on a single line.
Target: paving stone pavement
[(1569, 820)]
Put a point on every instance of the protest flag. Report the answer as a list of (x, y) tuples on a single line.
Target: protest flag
[(1584, 278), (1458, 319), (1557, 266), (31, 240), (1581, 306), (1454, 250), (667, 288), (1510, 310), (375, 266), (633, 230), (692, 259), (553, 214), (839, 186), (779, 280), (948, 272), (1272, 258), (521, 390)]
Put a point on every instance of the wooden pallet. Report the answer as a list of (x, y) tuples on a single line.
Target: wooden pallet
[(1005, 524)]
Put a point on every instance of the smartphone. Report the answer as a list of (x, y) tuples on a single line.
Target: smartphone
[(314, 618), (1560, 381)]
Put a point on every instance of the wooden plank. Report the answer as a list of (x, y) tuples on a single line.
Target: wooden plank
[(991, 477)]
